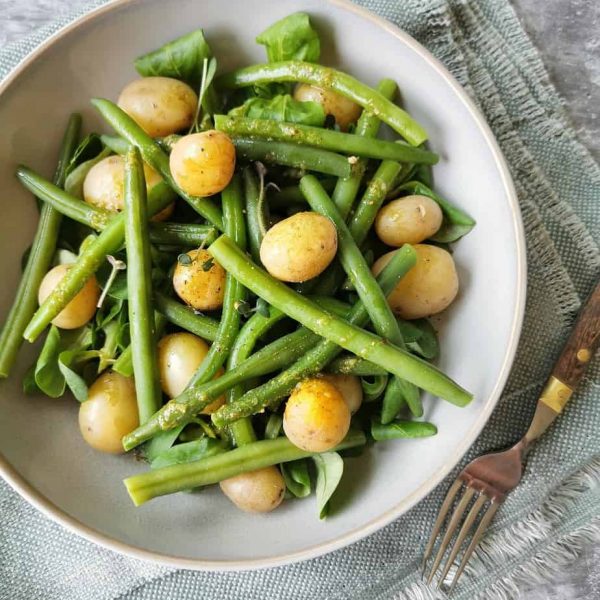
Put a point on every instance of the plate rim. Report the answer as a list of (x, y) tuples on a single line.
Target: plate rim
[(27, 491)]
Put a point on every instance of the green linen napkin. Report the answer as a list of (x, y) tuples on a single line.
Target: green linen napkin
[(548, 519)]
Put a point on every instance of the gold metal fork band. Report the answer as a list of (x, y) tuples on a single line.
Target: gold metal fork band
[(556, 394)]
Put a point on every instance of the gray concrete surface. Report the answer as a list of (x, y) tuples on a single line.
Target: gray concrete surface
[(567, 33)]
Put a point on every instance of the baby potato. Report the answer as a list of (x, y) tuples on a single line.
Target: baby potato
[(179, 356), (345, 111), (109, 413), (408, 220), (256, 491), (350, 388), (316, 416), (299, 247), (83, 306), (202, 164), (201, 283), (159, 105), (428, 288), (104, 185)]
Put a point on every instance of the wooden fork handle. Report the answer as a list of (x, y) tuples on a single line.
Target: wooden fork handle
[(582, 343), (570, 366)]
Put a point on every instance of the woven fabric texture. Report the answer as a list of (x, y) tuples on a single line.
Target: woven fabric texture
[(482, 43)]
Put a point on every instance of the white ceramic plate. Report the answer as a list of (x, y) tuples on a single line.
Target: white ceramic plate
[(44, 457)]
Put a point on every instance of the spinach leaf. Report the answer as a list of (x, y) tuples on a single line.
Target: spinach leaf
[(291, 38), (74, 381), (161, 442), (420, 337), (89, 147), (188, 452), (48, 377), (296, 477), (206, 97), (111, 309), (56, 364), (456, 223), (330, 468), (282, 108), (181, 58)]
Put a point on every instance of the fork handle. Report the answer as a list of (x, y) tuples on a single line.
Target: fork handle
[(570, 366)]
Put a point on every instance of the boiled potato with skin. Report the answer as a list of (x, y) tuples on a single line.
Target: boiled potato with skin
[(316, 416), (256, 491), (344, 110), (202, 164), (299, 247), (81, 308), (104, 186), (350, 388), (159, 105), (408, 220), (428, 288), (179, 356), (201, 283), (109, 413)]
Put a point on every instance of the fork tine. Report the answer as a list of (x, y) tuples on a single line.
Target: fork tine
[(459, 511), (485, 520), (464, 531), (439, 521)]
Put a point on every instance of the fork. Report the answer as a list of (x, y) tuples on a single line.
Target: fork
[(486, 481)]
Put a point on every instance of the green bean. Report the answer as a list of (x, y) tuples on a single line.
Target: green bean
[(326, 139), (326, 77), (124, 363), (176, 234), (373, 198), (368, 124), (108, 242), (354, 263), (257, 455), (38, 262), (139, 285), (234, 291), (357, 269), (396, 396), (251, 332), (63, 202), (353, 365), (362, 221), (333, 328), (318, 357), (151, 152), (401, 430), (184, 316), (293, 155), (363, 281), (255, 218), (291, 195), (272, 357), (182, 234)]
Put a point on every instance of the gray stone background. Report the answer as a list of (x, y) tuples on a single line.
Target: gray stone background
[(567, 33)]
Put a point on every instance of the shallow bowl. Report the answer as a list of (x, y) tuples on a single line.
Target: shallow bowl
[(42, 454)]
